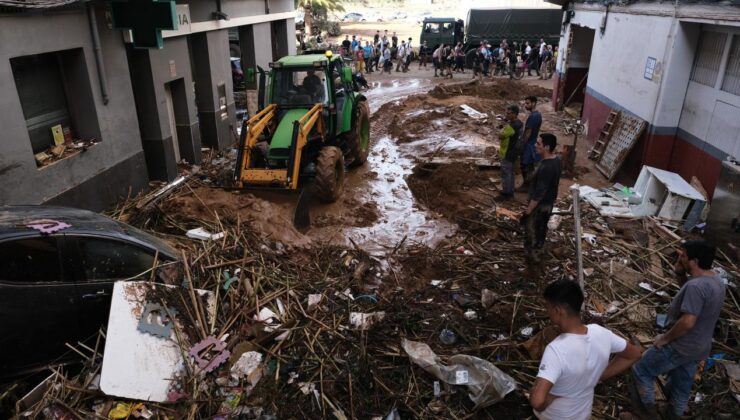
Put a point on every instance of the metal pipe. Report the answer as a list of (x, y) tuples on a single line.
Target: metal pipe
[(93, 21), (577, 216)]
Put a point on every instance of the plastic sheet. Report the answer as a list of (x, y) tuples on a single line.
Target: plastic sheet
[(486, 383)]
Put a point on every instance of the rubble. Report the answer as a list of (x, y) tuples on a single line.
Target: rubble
[(285, 313)]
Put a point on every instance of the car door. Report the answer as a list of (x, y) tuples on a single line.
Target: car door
[(101, 262), (38, 302)]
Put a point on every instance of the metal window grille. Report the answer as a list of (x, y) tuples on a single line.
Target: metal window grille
[(708, 58), (731, 81)]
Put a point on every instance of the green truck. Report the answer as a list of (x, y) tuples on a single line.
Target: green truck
[(437, 31), (494, 25)]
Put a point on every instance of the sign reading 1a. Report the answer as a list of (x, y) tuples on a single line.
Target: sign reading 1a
[(146, 19)]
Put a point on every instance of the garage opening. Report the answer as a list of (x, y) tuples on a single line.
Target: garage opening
[(575, 78)]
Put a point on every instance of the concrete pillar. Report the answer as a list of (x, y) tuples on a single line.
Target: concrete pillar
[(160, 79), (262, 44), (213, 87), (291, 36)]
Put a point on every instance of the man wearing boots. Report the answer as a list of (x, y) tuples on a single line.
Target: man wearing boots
[(692, 316), (543, 191)]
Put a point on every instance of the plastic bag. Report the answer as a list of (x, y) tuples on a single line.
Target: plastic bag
[(486, 383)]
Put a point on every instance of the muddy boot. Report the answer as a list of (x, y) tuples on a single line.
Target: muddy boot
[(640, 410)]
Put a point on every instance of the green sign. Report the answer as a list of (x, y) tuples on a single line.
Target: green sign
[(146, 19)]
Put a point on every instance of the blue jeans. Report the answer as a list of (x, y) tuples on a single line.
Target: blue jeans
[(680, 371)]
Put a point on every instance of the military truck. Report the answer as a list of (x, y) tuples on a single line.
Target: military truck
[(436, 31), (494, 25), (517, 25)]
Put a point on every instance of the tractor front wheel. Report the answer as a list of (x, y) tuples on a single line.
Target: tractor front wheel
[(359, 138), (329, 174)]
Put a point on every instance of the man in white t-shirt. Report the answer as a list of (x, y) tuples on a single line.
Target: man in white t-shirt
[(577, 359)]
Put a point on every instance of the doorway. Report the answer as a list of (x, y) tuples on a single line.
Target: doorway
[(574, 78), (177, 117)]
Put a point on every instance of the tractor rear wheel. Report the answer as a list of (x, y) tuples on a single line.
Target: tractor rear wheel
[(358, 139), (329, 174)]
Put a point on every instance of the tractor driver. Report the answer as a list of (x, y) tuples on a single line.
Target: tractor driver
[(312, 86)]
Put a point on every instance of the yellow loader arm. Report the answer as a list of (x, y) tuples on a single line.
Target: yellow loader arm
[(285, 178)]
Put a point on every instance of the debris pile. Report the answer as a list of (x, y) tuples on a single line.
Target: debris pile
[(299, 328)]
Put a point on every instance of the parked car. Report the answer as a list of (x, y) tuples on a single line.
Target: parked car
[(399, 16), (374, 17), (353, 17), (237, 74), (56, 288)]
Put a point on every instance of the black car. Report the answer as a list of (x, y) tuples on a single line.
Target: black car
[(55, 285)]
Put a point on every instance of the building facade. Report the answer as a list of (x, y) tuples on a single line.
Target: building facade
[(88, 119), (675, 65)]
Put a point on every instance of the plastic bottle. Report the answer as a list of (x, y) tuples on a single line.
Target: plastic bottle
[(447, 336)]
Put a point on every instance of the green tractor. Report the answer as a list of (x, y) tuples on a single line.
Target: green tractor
[(311, 122)]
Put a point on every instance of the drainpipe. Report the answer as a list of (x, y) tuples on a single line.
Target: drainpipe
[(98, 52)]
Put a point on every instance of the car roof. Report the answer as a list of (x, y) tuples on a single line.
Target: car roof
[(13, 220)]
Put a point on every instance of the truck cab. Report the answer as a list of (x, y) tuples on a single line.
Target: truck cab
[(436, 31)]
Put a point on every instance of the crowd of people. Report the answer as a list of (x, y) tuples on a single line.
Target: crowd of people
[(384, 52), (381, 53)]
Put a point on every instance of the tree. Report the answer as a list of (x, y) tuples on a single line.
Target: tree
[(317, 8)]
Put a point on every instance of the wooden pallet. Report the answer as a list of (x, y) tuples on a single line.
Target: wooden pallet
[(623, 138), (604, 136)]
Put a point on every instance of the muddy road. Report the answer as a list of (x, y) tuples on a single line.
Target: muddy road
[(433, 166)]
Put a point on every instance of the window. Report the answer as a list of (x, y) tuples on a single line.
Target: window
[(54, 90), (110, 259), (731, 81), (708, 58), (303, 87), (431, 28), (31, 260)]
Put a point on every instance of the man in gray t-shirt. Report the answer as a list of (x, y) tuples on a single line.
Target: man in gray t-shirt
[(691, 319)]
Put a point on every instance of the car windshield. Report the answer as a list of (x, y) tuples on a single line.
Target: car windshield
[(305, 86)]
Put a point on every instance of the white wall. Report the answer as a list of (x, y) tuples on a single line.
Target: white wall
[(619, 57)]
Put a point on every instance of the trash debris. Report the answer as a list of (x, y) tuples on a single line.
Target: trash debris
[(590, 238), (364, 321), (526, 331), (536, 345), (470, 315), (487, 298), (646, 286), (248, 366), (448, 337), (486, 383), (314, 300), (203, 235), (472, 113)]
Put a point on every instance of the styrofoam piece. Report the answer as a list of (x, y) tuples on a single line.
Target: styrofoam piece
[(203, 235), (472, 112), (138, 365)]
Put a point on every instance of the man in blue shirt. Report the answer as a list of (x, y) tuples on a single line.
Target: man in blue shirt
[(368, 50), (531, 131)]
